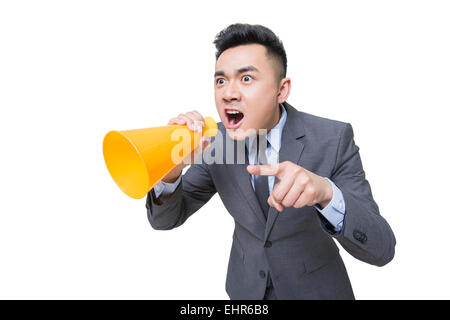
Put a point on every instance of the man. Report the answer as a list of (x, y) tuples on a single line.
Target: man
[(301, 185)]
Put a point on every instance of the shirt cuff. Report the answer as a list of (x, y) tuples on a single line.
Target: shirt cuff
[(165, 188), (334, 212)]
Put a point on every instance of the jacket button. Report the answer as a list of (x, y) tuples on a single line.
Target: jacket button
[(268, 244), (360, 236), (364, 238), (262, 274)]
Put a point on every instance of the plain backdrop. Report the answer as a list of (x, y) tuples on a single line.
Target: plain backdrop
[(70, 71)]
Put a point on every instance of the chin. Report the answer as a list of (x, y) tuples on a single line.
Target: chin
[(236, 134)]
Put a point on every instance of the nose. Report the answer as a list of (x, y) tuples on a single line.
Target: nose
[(231, 92)]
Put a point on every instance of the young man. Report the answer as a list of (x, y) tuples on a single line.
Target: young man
[(301, 185)]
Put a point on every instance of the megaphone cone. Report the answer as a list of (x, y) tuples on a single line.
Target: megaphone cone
[(138, 159)]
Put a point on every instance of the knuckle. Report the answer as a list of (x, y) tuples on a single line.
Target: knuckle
[(307, 180), (276, 195), (307, 192), (194, 113), (301, 183), (310, 192)]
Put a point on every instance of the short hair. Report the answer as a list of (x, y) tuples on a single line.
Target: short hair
[(240, 34)]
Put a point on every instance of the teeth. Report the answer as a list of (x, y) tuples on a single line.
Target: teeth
[(232, 112)]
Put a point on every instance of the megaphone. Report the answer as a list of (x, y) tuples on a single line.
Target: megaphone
[(138, 159)]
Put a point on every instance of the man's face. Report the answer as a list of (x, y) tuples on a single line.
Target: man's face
[(246, 90)]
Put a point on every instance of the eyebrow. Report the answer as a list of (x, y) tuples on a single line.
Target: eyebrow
[(239, 71)]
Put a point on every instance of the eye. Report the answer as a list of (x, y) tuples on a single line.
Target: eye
[(246, 78), (220, 81)]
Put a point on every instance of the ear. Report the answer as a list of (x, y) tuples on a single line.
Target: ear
[(285, 89)]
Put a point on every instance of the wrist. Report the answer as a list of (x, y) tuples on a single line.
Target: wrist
[(173, 175)]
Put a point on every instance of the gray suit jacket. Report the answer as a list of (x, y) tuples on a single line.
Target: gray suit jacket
[(295, 246)]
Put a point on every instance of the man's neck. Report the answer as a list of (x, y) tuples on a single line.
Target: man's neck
[(276, 118)]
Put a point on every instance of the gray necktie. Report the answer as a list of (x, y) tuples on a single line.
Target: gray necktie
[(262, 186), (262, 182)]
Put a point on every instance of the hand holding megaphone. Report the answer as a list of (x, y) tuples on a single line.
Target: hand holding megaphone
[(138, 159), (195, 122)]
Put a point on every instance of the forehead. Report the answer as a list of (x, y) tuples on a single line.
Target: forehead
[(244, 55)]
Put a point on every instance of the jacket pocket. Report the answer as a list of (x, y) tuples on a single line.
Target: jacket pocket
[(315, 263)]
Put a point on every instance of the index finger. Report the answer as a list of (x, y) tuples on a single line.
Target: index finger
[(196, 116), (264, 169)]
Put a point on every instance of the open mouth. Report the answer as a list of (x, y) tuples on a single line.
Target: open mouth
[(234, 118)]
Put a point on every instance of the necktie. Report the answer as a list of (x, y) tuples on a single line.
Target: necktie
[(261, 182), (262, 186)]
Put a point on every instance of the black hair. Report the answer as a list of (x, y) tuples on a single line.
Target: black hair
[(239, 34)]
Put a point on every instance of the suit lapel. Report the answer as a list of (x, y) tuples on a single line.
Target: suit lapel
[(291, 150), (242, 181)]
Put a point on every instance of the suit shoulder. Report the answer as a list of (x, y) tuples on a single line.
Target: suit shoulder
[(322, 125)]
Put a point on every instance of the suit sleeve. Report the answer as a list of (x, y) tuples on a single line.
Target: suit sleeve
[(365, 234), (194, 190)]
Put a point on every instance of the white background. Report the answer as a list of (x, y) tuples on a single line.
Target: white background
[(70, 71)]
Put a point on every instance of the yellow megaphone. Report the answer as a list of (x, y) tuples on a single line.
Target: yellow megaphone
[(138, 159)]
